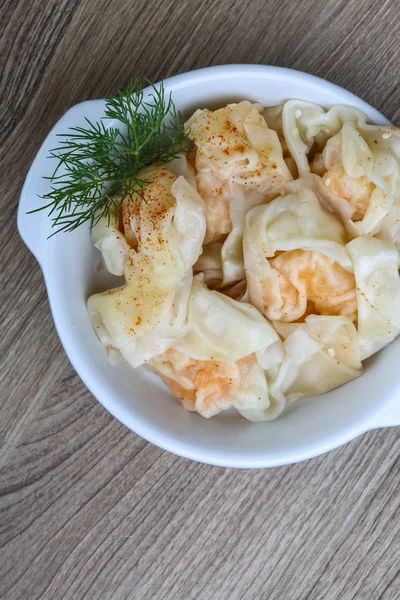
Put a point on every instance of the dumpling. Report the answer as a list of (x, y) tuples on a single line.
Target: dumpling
[(362, 179), (203, 385), (215, 367), (221, 328), (116, 235), (147, 315), (307, 127), (319, 355), (378, 292), (305, 281), (211, 386), (140, 321), (296, 261), (235, 148), (240, 165)]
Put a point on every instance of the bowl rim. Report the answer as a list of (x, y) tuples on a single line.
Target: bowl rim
[(168, 441)]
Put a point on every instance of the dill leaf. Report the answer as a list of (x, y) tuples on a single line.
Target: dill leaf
[(99, 165)]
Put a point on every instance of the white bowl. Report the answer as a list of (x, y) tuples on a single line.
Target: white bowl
[(140, 400)]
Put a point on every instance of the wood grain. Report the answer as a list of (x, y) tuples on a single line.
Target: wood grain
[(88, 509)]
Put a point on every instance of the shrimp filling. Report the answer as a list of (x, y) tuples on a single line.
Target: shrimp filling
[(205, 386), (357, 191), (303, 282)]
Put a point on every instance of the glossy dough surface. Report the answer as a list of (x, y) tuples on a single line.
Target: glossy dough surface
[(262, 268)]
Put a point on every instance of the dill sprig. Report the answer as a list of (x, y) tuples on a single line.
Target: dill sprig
[(102, 164)]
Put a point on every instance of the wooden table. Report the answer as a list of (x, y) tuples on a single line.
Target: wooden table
[(88, 509)]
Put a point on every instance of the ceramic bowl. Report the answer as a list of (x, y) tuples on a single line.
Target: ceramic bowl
[(139, 399)]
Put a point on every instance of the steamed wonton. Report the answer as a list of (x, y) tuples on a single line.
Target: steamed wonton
[(147, 315), (296, 261), (307, 127), (214, 367), (362, 179), (114, 237), (239, 165)]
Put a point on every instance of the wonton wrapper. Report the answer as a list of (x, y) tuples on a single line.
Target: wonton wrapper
[(303, 282), (112, 243), (221, 328), (378, 292), (273, 118), (147, 315), (235, 147), (222, 262), (313, 243), (232, 262), (210, 265), (320, 355), (362, 179), (114, 237), (308, 126), (214, 367)]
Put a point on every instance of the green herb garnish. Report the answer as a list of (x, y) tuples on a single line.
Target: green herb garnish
[(103, 163)]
